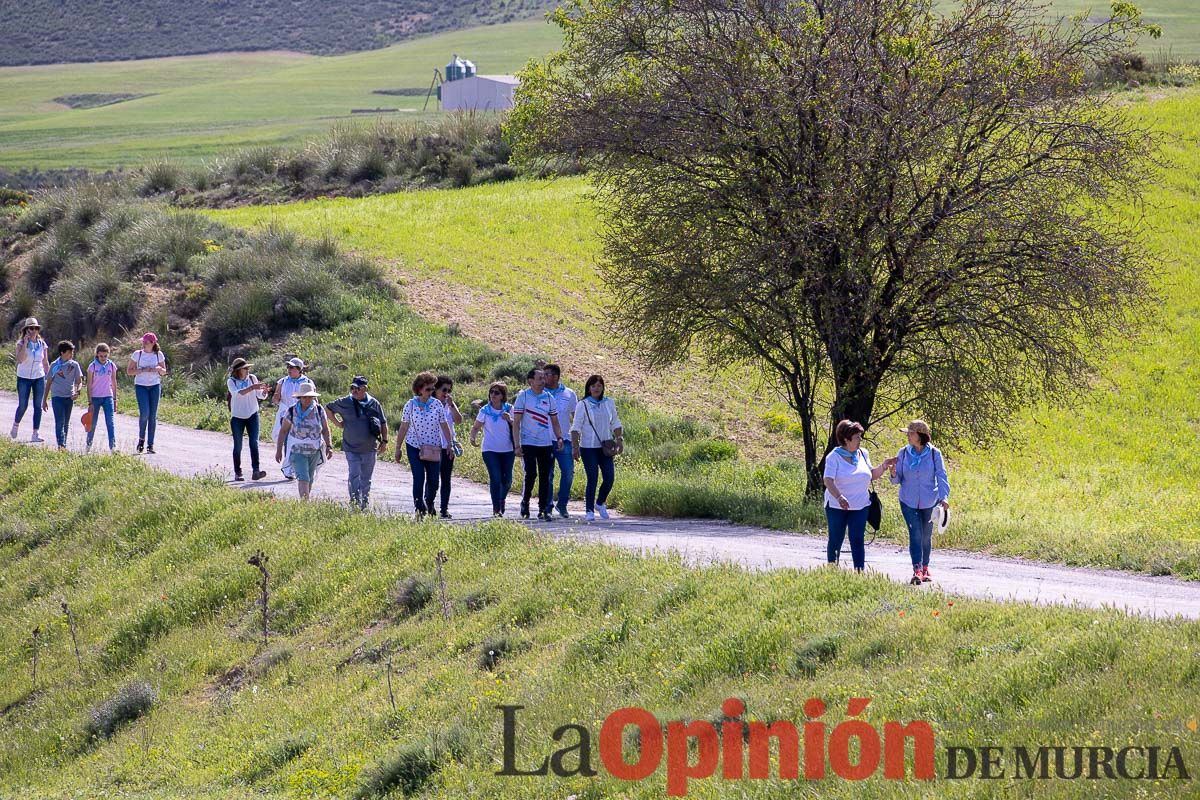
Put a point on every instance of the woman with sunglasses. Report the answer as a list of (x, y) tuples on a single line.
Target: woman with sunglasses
[(33, 362), (495, 420), (423, 428), (443, 390)]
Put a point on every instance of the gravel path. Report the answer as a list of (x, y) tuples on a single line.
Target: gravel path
[(190, 452)]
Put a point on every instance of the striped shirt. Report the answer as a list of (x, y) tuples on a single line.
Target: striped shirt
[(536, 411)]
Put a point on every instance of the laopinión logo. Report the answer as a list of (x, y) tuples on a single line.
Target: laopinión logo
[(852, 750)]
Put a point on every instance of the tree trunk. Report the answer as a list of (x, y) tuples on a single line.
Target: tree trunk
[(856, 402)]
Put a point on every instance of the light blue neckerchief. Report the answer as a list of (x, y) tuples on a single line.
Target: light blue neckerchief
[(424, 404), (594, 401), (915, 458), (97, 367), (844, 453), (493, 414), (299, 412), (243, 383), (57, 365)]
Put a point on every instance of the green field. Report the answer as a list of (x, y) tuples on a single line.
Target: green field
[(1098, 484), (154, 570), (205, 105)]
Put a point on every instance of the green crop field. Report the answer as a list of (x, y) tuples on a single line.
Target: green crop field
[(1178, 19), (1098, 484), (153, 569), (200, 106)]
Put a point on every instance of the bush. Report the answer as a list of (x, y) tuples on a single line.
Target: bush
[(814, 654), (503, 172), (513, 369), (163, 243), (710, 451), (14, 197), (371, 165), (237, 313), (49, 261), (90, 300), (131, 702), (159, 177), (277, 756), (412, 594), (492, 651), (410, 768), (462, 171)]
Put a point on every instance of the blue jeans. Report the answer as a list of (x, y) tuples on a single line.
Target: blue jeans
[(920, 533), (566, 468), (248, 427), (147, 400), (26, 387), (425, 479), (839, 522), (596, 464), (500, 472), (360, 467), (445, 471), (62, 417), (105, 403)]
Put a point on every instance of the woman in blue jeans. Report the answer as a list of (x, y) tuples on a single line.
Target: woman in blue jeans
[(423, 428), (920, 471), (147, 366), (848, 476), (596, 422), (33, 362), (495, 420)]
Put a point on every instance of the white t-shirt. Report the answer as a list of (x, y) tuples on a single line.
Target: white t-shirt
[(603, 420), (537, 409), (567, 400), (32, 367), (143, 360), (449, 421), (497, 433), (243, 406), (852, 480), (425, 422)]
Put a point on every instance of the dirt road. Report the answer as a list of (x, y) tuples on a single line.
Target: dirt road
[(190, 452)]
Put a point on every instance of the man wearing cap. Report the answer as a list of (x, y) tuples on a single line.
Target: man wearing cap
[(364, 437), (33, 362)]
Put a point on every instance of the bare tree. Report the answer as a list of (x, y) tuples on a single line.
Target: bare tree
[(891, 210)]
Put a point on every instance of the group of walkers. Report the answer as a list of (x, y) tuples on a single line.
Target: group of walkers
[(528, 428), (535, 427), (45, 385)]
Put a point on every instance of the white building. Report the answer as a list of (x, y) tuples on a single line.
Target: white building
[(479, 93)]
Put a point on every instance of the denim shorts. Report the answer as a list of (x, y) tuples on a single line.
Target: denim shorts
[(305, 465)]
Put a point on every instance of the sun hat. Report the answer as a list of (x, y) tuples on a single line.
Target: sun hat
[(940, 519), (359, 382), (149, 338), (306, 389), (238, 363), (298, 363), (917, 426), (30, 323)]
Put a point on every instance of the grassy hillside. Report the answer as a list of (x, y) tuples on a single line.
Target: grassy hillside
[(514, 265), (1180, 24), (53, 31), (153, 569), (202, 106)]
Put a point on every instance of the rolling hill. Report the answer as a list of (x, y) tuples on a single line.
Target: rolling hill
[(55, 31)]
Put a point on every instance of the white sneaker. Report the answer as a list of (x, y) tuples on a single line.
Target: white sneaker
[(589, 516), (87, 448), (602, 510), (13, 433), (36, 438)]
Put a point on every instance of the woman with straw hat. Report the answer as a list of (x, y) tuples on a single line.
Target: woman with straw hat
[(245, 393), (284, 399), (305, 428), (33, 362), (920, 472)]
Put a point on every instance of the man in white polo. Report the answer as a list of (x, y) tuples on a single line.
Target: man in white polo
[(566, 400)]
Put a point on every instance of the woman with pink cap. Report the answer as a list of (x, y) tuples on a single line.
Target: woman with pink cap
[(147, 366)]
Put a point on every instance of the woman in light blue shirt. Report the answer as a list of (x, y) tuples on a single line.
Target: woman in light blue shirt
[(920, 471)]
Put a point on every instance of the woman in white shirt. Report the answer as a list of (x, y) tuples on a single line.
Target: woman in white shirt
[(423, 428), (147, 366), (595, 423), (33, 363), (245, 393), (848, 476), (495, 420)]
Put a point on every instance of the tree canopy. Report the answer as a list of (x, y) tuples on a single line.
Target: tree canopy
[(893, 210)]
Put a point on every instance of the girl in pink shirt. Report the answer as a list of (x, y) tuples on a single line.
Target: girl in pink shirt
[(102, 393)]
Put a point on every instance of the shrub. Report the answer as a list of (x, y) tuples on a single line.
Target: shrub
[(462, 171), (89, 300), (412, 594), (49, 261), (297, 166), (513, 369), (40, 215), (131, 702), (277, 756), (371, 165), (711, 450), (14, 197), (163, 243), (814, 654), (408, 769), (237, 313), (492, 651), (503, 172), (106, 233), (159, 177)]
